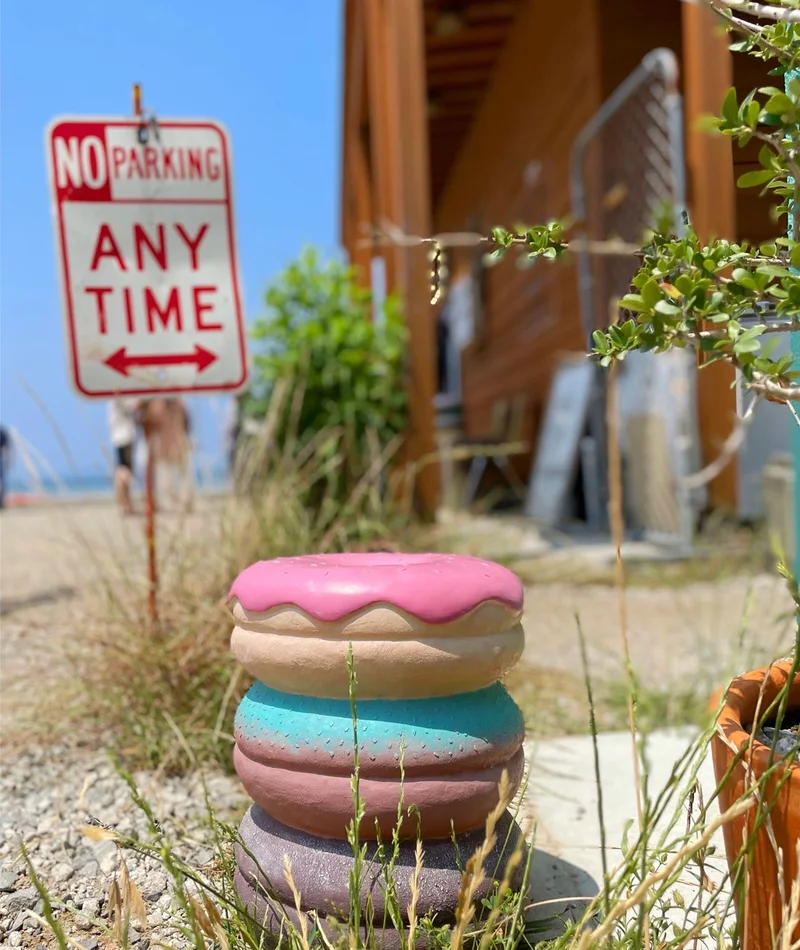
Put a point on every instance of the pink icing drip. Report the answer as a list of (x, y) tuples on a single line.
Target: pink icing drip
[(436, 588)]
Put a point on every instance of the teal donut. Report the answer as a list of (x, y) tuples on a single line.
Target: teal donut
[(439, 736)]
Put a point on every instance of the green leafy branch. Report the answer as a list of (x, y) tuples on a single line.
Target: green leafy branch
[(726, 299), (721, 299)]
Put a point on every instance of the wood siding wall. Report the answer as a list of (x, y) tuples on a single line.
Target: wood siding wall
[(543, 91), (548, 83)]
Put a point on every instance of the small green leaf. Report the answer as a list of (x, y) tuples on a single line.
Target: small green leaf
[(772, 270), (502, 237), (667, 309), (766, 156), (757, 177), (779, 104), (651, 293), (633, 302), (730, 107), (600, 341), (752, 114)]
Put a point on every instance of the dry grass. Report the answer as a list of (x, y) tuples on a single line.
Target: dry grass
[(163, 693)]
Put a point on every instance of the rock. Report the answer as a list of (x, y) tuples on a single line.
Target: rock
[(91, 907), (82, 857), (8, 878), (88, 869), (15, 939), (61, 873), (154, 886), (105, 853), (26, 898), (89, 943)]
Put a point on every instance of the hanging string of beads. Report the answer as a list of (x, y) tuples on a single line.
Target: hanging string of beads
[(439, 272)]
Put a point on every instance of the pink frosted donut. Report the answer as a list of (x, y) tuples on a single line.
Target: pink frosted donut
[(421, 624)]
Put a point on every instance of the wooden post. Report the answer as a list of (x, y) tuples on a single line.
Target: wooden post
[(708, 74), (400, 159), (357, 203)]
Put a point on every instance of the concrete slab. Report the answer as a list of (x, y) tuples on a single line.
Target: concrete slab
[(562, 800), (516, 538)]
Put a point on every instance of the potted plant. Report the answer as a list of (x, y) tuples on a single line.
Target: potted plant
[(762, 843)]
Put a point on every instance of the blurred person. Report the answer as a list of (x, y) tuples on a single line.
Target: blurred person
[(5, 462), (167, 428), (122, 415)]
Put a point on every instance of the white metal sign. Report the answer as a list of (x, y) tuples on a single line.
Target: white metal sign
[(147, 254)]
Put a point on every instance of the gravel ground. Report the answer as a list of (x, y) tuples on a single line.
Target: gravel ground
[(48, 795)]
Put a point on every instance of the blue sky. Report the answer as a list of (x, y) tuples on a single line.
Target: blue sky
[(268, 69)]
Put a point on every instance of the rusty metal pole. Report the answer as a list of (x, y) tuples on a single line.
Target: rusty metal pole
[(150, 534), (149, 485)]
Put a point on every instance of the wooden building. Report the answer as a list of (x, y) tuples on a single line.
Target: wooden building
[(447, 102)]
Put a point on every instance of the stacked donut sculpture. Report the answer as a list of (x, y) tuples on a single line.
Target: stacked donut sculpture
[(430, 636)]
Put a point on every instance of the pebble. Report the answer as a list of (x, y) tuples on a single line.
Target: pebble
[(26, 898), (787, 742), (61, 873), (50, 796), (91, 907), (8, 878), (154, 886)]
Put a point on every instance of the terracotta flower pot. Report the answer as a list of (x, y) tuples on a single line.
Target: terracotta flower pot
[(760, 904)]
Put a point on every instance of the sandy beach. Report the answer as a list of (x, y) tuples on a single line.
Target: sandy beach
[(50, 556)]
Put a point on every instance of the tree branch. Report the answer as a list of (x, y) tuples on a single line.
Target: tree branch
[(748, 29), (390, 234), (766, 386), (729, 449), (779, 326), (760, 10)]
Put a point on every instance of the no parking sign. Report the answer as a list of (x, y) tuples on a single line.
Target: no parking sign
[(147, 256)]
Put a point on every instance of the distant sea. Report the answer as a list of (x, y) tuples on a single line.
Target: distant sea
[(76, 485)]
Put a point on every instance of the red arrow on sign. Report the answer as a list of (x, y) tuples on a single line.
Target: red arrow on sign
[(120, 361)]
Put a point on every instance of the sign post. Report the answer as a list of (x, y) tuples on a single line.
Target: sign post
[(152, 297), (150, 471)]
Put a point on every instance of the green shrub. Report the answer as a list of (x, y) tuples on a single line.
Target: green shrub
[(344, 369)]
